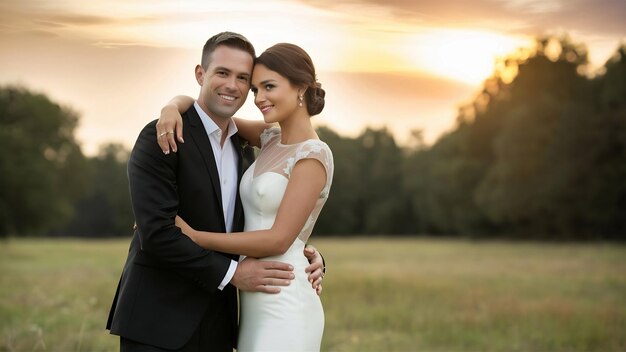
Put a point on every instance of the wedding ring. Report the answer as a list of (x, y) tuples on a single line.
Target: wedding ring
[(162, 134), (170, 132)]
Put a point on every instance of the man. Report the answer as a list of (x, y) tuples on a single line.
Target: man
[(174, 295)]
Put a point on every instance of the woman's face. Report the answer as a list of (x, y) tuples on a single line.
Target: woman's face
[(273, 94)]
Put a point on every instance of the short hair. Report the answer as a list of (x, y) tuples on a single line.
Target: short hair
[(229, 39), (293, 63)]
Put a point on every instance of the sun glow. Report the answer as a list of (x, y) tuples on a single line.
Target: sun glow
[(462, 55)]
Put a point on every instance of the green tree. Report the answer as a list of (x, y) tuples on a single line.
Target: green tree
[(37, 182), (367, 195), (539, 152), (382, 204), (339, 214), (104, 209), (612, 84), (555, 161), (440, 181)]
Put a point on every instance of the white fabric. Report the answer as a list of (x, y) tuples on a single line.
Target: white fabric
[(278, 158), (226, 162), (292, 320)]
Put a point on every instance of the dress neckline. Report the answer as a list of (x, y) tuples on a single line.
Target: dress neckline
[(280, 144)]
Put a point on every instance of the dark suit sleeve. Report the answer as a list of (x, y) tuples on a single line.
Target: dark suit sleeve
[(153, 189)]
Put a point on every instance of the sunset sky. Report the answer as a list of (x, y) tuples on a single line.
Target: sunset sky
[(400, 63)]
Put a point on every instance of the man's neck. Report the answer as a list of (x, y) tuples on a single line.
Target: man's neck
[(221, 122)]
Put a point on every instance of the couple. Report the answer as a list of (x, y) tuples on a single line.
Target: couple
[(178, 289)]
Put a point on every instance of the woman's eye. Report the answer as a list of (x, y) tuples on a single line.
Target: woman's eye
[(269, 86)]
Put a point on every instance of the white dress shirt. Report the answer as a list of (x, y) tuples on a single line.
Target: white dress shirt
[(226, 162)]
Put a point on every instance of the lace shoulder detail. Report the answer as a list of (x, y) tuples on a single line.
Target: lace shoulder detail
[(268, 134), (314, 149)]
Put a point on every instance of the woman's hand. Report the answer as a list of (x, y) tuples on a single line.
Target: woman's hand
[(170, 123), (185, 228)]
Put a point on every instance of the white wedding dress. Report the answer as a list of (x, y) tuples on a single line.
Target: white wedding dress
[(292, 320)]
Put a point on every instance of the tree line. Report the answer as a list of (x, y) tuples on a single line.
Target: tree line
[(539, 153)]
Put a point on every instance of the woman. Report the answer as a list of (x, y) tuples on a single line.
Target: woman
[(282, 193)]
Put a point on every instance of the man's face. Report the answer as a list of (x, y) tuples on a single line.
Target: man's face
[(225, 83)]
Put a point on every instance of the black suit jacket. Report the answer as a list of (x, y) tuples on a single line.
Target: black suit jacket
[(168, 281)]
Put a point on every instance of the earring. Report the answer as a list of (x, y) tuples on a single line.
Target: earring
[(300, 103)]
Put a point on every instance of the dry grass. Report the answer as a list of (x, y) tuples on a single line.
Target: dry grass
[(380, 295)]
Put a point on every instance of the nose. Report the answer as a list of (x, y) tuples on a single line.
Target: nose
[(259, 98), (231, 83)]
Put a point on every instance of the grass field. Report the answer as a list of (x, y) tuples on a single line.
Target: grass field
[(379, 295)]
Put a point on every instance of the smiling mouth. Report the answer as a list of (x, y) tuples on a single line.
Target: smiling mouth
[(265, 108), (227, 97)]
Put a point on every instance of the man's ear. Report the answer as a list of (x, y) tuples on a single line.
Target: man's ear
[(199, 74)]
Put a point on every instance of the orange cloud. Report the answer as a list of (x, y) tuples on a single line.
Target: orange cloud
[(600, 17)]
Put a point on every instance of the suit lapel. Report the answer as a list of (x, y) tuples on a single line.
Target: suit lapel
[(237, 217), (201, 140)]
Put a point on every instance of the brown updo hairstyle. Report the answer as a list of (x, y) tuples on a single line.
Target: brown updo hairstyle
[(293, 63)]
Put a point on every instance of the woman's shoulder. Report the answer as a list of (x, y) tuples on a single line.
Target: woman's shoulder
[(315, 146), (317, 149), (269, 134)]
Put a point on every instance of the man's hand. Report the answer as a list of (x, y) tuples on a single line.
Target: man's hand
[(262, 276), (316, 268)]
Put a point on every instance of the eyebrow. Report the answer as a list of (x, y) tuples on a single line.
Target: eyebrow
[(266, 81), (222, 68)]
